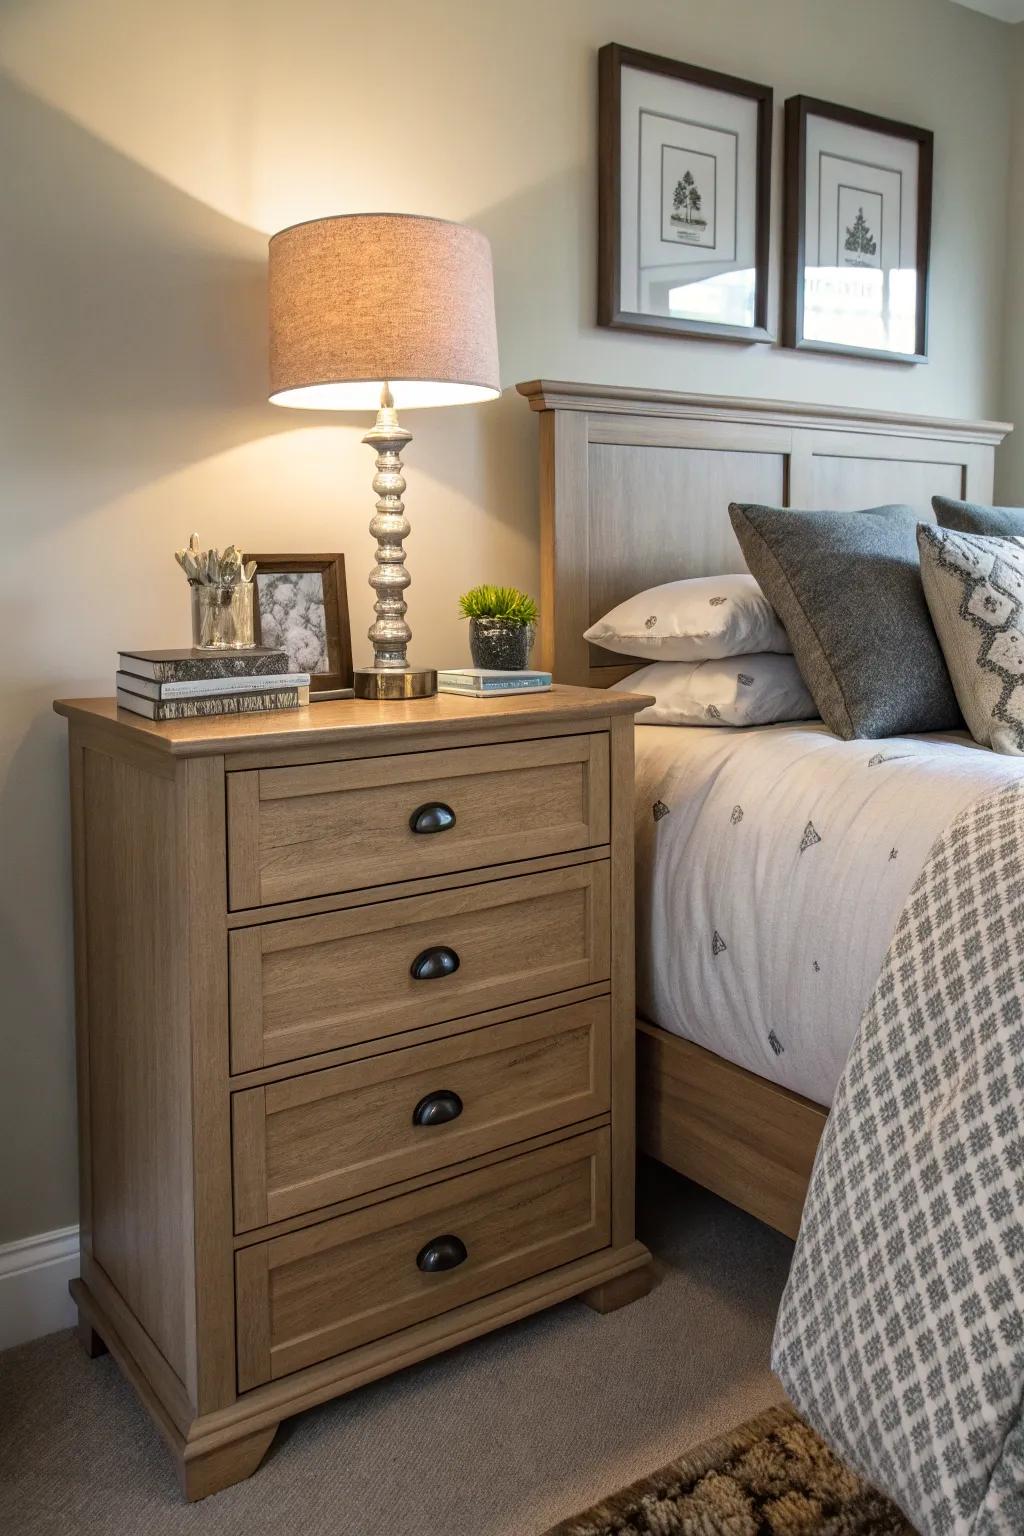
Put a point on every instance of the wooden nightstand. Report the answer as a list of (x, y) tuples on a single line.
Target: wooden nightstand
[(355, 1043)]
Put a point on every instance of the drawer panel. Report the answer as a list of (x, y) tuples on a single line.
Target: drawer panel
[(315, 983), (331, 1287), (329, 1135), (312, 831)]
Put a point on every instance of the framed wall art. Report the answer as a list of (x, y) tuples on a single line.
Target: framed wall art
[(857, 233), (302, 608), (683, 198)]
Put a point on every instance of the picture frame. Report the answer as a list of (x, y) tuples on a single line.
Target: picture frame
[(684, 198), (306, 614), (858, 190)]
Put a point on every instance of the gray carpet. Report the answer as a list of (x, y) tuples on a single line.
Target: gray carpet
[(501, 1437)]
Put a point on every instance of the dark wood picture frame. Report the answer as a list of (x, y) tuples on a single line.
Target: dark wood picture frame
[(798, 109), (612, 58), (331, 568)]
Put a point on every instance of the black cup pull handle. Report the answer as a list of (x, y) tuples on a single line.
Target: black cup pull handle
[(432, 963), (441, 1253), (435, 816), (437, 1108)]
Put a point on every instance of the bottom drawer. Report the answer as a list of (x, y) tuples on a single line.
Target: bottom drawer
[(328, 1288)]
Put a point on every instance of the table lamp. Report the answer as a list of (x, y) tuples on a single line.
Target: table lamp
[(383, 311)]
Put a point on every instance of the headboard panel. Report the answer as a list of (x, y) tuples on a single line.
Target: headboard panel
[(636, 485)]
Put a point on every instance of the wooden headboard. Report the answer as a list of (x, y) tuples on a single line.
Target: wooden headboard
[(635, 488)]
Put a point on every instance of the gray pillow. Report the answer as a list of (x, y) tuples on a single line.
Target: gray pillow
[(969, 517), (847, 586)]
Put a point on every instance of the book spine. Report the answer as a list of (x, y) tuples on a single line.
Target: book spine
[(486, 685), (524, 683), (232, 665), (211, 687), (491, 693), (222, 704)]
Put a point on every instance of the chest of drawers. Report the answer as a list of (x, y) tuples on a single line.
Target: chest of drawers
[(354, 991)]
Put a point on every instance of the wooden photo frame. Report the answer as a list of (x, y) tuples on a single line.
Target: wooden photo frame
[(858, 199), (684, 196), (331, 636)]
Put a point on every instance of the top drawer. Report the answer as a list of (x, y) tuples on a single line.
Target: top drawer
[(312, 831)]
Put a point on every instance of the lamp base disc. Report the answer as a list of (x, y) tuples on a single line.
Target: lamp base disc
[(395, 683)]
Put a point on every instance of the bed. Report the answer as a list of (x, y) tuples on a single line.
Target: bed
[(635, 487)]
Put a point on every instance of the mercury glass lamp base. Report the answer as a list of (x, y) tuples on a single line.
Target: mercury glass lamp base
[(394, 682)]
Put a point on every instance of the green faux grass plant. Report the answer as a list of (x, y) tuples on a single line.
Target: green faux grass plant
[(508, 603)]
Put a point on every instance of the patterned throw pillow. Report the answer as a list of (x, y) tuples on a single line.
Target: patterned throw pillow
[(704, 618), (975, 591)]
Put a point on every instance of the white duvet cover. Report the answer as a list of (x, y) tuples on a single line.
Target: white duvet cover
[(772, 865)]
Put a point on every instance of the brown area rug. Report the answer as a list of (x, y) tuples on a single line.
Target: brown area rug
[(770, 1477)]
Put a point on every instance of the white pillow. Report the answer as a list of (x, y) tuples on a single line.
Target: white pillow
[(707, 617), (743, 690)]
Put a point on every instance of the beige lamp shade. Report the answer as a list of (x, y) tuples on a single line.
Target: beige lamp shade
[(368, 299)]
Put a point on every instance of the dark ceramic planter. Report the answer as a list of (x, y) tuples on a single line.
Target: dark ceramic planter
[(500, 644)]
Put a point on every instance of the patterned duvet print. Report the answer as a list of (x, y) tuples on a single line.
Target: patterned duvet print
[(772, 867), (901, 1332)]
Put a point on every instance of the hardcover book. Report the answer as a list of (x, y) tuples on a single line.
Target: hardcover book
[(481, 682), (220, 704), (192, 665), (209, 687)]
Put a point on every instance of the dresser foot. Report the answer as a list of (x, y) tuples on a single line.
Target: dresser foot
[(89, 1338), (202, 1475), (612, 1294)]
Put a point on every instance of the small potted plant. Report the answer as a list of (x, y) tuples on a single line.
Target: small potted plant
[(501, 627)]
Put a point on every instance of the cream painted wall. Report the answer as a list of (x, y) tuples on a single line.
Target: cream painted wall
[(149, 149)]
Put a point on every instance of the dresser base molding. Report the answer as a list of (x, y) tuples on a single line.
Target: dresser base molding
[(87, 1335), (610, 1295), (228, 1445)]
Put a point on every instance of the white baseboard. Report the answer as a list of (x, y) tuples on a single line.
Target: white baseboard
[(34, 1275)]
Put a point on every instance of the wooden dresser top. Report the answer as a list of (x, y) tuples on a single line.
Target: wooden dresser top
[(347, 719)]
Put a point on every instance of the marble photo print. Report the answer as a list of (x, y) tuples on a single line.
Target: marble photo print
[(292, 617)]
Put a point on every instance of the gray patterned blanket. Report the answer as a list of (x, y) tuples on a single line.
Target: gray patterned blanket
[(901, 1331)]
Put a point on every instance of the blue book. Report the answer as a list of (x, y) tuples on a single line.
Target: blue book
[(483, 682)]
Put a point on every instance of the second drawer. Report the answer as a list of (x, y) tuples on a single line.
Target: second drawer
[(317, 983), (329, 1135)]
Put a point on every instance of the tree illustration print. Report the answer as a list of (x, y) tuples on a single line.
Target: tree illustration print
[(686, 201), (688, 193), (860, 242)]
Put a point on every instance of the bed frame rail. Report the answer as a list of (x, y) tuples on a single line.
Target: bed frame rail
[(745, 1138)]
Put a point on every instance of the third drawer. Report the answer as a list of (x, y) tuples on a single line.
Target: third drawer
[(333, 1134)]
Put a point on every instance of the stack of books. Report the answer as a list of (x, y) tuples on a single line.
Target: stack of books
[(184, 685), (485, 682)]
